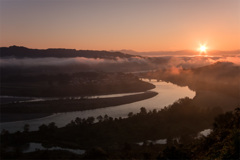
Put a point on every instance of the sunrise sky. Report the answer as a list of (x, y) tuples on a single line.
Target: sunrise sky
[(140, 25)]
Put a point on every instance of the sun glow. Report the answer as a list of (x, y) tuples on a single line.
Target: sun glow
[(203, 48)]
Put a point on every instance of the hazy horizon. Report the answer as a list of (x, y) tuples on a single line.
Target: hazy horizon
[(142, 26), (127, 50)]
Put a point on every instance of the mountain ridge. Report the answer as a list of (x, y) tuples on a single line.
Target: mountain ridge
[(24, 52), (178, 52)]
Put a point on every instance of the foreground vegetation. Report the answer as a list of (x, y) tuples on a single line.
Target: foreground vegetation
[(117, 138)]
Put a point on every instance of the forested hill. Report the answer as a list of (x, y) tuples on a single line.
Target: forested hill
[(221, 77), (23, 52)]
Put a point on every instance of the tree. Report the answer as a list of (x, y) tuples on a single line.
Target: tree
[(143, 110), (90, 120), (224, 140), (52, 126), (71, 124), (106, 117), (130, 114), (4, 132), (78, 121), (43, 128), (154, 111), (100, 118), (26, 128)]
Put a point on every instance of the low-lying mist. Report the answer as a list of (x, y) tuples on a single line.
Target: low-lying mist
[(132, 64)]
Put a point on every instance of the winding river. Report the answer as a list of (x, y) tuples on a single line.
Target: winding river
[(167, 94)]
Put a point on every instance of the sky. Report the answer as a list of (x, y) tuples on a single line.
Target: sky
[(140, 25)]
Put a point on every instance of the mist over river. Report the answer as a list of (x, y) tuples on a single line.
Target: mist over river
[(168, 93)]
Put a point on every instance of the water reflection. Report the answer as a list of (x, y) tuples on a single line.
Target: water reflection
[(16, 99), (204, 133), (38, 146), (167, 94), (160, 141)]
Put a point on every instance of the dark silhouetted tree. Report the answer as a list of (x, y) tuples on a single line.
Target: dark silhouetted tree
[(130, 114), (100, 118), (26, 128), (143, 110), (78, 121), (90, 120)]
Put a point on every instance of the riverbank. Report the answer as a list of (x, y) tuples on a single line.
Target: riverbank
[(71, 85), (31, 110)]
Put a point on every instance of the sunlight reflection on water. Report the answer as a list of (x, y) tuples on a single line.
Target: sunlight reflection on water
[(167, 94)]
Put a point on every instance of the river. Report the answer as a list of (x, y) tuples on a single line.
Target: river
[(168, 93)]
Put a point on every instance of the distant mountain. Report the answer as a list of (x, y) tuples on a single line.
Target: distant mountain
[(23, 52), (159, 53), (178, 53)]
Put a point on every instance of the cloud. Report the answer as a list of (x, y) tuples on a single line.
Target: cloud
[(199, 61), (64, 61), (77, 64), (119, 64), (235, 59)]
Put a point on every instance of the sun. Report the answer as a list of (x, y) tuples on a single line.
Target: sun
[(203, 48)]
